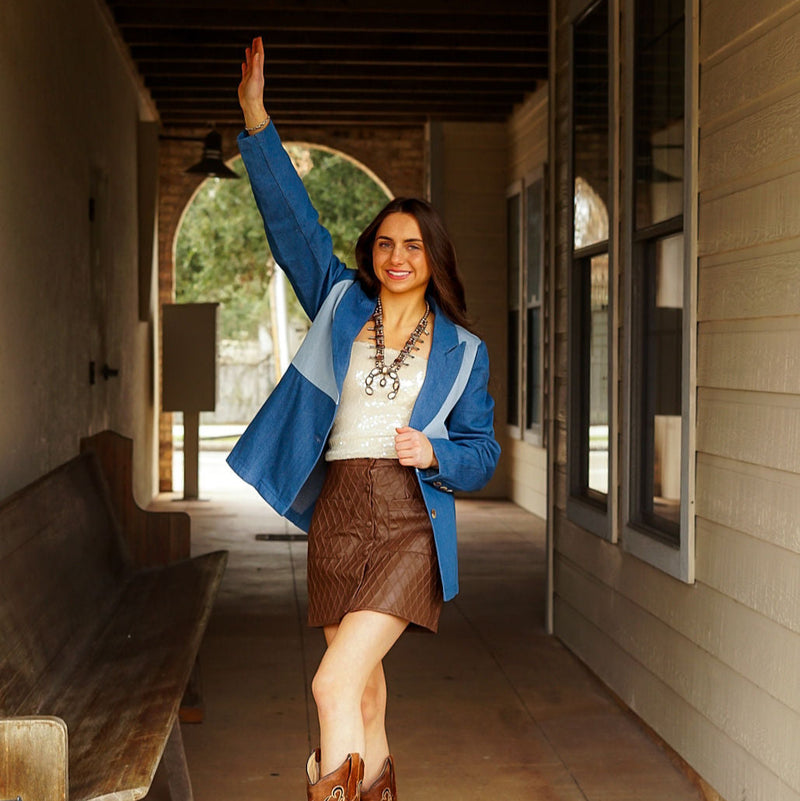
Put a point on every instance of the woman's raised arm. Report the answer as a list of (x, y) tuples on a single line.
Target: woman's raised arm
[(299, 243)]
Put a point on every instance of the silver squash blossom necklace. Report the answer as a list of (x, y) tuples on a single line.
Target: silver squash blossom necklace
[(385, 372)]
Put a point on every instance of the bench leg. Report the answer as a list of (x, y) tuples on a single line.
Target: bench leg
[(174, 761)]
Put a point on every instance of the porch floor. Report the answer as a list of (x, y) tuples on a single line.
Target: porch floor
[(491, 707)]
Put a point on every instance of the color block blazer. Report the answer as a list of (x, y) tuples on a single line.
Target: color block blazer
[(281, 453)]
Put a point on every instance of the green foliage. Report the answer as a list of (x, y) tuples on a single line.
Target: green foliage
[(222, 253)]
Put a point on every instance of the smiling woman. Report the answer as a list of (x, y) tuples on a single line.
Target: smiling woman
[(382, 416)]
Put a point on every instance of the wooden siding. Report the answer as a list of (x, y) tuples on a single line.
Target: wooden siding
[(528, 476), (526, 462), (712, 667)]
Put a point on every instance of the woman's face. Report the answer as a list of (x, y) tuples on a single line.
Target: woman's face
[(398, 255)]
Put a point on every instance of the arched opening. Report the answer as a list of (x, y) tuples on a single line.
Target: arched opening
[(221, 255)]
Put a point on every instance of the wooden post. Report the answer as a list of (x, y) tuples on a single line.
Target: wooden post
[(191, 455)]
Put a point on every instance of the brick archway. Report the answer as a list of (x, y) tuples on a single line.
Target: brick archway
[(396, 155)]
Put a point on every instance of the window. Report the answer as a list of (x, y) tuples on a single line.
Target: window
[(590, 299), (533, 282), (659, 292), (514, 250), (526, 248)]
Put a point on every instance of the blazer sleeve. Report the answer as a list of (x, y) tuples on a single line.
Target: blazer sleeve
[(300, 244), (467, 460)]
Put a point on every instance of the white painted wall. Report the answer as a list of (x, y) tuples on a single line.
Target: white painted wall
[(468, 179), (70, 116)]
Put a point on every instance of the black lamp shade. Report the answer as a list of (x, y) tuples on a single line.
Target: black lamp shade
[(212, 164)]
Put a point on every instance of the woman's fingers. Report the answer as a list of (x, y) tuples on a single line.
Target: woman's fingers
[(251, 86), (413, 448)]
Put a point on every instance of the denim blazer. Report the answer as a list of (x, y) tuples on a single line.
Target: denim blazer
[(281, 453)]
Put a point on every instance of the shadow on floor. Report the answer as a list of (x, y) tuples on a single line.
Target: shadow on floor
[(491, 707)]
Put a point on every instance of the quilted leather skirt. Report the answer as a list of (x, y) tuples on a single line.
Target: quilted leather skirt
[(370, 546)]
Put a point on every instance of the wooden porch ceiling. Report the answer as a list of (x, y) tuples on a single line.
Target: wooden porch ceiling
[(337, 62)]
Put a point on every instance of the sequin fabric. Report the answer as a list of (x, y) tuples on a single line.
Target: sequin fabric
[(371, 546), (365, 424)]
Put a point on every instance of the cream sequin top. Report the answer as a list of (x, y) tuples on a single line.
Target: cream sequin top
[(365, 425)]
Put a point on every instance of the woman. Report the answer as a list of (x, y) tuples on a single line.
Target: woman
[(383, 413)]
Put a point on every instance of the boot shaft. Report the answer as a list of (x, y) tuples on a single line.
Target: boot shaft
[(342, 784), (383, 788)]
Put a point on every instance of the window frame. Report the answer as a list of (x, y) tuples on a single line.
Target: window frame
[(587, 508), (642, 541)]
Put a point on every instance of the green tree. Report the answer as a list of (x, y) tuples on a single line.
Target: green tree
[(222, 253)]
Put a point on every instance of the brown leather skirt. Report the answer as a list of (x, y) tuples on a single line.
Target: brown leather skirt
[(370, 546)]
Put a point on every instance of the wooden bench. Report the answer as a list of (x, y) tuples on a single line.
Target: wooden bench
[(96, 652)]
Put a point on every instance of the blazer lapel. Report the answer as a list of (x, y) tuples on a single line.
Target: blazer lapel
[(354, 310), (443, 366)]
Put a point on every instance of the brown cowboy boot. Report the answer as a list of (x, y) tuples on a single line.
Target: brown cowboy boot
[(342, 784), (383, 788)]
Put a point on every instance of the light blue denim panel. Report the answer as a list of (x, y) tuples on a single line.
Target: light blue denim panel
[(314, 360), (437, 429)]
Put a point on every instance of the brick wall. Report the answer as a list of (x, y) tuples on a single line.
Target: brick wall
[(397, 156)]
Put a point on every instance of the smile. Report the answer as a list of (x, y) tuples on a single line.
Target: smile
[(398, 274)]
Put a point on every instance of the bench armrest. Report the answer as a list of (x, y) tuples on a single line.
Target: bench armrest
[(33, 758)]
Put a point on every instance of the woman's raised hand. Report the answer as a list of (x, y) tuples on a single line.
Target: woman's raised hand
[(251, 87)]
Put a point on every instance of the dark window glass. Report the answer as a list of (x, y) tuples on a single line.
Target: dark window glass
[(658, 385), (590, 299), (659, 110), (657, 290), (533, 398), (591, 126), (534, 233), (596, 334)]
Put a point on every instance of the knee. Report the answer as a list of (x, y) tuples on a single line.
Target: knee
[(332, 692), (323, 688)]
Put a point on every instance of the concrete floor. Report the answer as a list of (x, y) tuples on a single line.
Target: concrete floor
[(491, 707)]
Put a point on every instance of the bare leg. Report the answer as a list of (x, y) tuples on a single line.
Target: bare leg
[(373, 713), (348, 683)]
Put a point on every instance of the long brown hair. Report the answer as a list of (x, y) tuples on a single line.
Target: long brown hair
[(445, 286)]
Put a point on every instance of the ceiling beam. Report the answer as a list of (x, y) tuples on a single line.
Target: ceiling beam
[(364, 57), (517, 76), (264, 22), (311, 7), (513, 41)]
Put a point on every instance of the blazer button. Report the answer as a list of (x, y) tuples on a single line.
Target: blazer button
[(433, 514)]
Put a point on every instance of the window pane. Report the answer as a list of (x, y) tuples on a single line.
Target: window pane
[(512, 417), (534, 229), (590, 126), (597, 478), (514, 221), (533, 390), (659, 110), (661, 386)]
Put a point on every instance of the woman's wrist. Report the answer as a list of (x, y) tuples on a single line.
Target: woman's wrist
[(255, 119)]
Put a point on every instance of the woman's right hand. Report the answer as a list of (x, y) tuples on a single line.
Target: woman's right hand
[(251, 87)]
